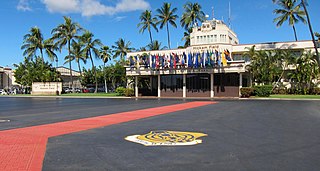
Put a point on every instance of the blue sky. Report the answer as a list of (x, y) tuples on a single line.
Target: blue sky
[(110, 20)]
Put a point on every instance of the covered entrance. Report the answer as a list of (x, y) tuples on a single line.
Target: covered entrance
[(226, 85), (148, 86), (198, 85)]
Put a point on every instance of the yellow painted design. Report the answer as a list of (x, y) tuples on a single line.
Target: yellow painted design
[(167, 138)]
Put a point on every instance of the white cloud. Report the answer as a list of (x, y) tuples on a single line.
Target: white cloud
[(90, 8), (119, 18), (23, 5), (62, 6), (132, 5)]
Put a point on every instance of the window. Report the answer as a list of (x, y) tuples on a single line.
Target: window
[(171, 83), (215, 38), (227, 79), (198, 82)]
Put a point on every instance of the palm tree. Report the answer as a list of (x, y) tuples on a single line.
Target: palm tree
[(167, 16), (147, 21), (105, 55), (290, 12), (90, 45), (63, 34), (192, 14), (34, 41), (252, 54), (306, 70), (156, 45), (304, 4), (76, 54), (317, 35), (121, 48), (186, 37)]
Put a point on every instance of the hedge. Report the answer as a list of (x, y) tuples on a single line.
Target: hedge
[(121, 91)]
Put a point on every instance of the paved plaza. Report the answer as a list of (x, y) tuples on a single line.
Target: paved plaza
[(55, 134)]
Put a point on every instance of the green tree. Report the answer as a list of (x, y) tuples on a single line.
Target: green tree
[(186, 37), (167, 16), (121, 48), (64, 34), (156, 45), (306, 70), (147, 21), (304, 4), (192, 13), (90, 46), (76, 54), (34, 41), (28, 72), (317, 35), (105, 55), (289, 12), (251, 53)]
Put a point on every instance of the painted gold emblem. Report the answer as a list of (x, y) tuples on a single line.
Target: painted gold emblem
[(167, 138)]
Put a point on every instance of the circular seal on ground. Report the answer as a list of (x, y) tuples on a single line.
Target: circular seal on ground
[(167, 138)]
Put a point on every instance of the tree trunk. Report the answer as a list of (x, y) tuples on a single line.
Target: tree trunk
[(79, 68), (105, 80), (95, 73), (42, 56), (311, 32), (168, 36), (295, 33), (150, 36), (69, 49)]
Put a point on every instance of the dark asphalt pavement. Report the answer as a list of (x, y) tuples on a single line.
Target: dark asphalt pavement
[(242, 135)]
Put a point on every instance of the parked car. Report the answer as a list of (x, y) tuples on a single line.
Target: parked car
[(3, 92), (85, 90)]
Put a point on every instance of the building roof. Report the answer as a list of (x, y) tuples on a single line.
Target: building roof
[(66, 71)]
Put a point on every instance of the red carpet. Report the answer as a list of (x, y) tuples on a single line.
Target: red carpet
[(24, 148)]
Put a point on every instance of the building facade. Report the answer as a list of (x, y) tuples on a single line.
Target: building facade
[(7, 79), (213, 66), (66, 80)]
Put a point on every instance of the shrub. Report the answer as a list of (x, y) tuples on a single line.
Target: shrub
[(121, 91), (246, 91), (315, 90), (263, 91), (280, 90), (129, 92)]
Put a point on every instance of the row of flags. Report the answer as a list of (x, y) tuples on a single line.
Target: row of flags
[(186, 60)]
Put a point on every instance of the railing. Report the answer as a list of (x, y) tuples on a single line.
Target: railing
[(230, 67)]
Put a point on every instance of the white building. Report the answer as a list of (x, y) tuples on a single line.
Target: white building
[(213, 66), (7, 79)]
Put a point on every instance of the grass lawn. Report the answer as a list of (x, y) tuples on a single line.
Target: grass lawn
[(74, 95), (91, 94), (289, 96)]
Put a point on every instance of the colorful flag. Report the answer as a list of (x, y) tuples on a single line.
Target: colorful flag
[(196, 63), (131, 61), (190, 60), (184, 56), (153, 61), (157, 61)]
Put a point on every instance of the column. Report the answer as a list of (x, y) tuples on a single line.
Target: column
[(136, 86), (159, 85), (212, 85), (184, 88), (240, 83)]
